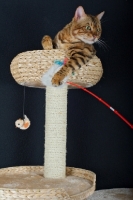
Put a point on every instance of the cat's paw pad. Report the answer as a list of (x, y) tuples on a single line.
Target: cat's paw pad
[(47, 43)]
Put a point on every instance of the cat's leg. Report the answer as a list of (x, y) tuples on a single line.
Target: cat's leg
[(47, 42), (77, 59), (60, 75)]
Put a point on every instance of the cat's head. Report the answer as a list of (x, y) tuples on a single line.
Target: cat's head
[(86, 28)]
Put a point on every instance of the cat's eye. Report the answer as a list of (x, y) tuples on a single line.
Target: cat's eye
[(88, 28), (98, 29)]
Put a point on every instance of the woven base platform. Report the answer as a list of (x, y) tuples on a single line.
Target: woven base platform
[(113, 194), (28, 183)]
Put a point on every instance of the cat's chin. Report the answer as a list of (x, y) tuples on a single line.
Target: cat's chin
[(88, 41)]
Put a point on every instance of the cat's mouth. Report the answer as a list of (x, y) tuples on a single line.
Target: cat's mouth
[(87, 40), (90, 41)]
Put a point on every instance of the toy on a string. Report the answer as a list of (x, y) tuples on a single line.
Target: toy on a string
[(24, 123), (102, 101)]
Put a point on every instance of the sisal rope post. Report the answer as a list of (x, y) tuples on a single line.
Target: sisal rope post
[(55, 132)]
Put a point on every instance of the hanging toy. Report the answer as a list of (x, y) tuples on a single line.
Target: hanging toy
[(23, 124)]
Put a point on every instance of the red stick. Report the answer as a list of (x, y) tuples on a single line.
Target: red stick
[(102, 101)]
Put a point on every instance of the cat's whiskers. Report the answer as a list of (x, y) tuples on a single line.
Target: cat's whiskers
[(102, 44), (107, 46), (97, 42)]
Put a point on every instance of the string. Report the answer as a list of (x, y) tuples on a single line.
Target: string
[(24, 102), (105, 103)]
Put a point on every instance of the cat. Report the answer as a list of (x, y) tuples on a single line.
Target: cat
[(77, 39)]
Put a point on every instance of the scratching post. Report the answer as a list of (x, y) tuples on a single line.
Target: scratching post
[(53, 180), (55, 132)]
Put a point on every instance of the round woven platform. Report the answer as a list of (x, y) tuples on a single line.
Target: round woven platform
[(27, 68), (28, 183), (113, 194)]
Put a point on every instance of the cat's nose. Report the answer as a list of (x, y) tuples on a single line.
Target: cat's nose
[(94, 36)]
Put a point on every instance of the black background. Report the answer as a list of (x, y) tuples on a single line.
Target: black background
[(98, 140)]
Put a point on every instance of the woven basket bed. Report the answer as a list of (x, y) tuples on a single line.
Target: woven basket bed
[(44, 194), (27, 68)]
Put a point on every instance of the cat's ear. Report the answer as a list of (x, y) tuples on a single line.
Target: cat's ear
[(79, 13), (99, 16)]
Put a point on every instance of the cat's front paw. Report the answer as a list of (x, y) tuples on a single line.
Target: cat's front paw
[(47, 43), (57, 80)]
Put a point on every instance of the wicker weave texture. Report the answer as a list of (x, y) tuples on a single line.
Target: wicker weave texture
[(45, 194), (27, 68)]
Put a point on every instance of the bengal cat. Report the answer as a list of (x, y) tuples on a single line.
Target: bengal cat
[(77, 39)]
